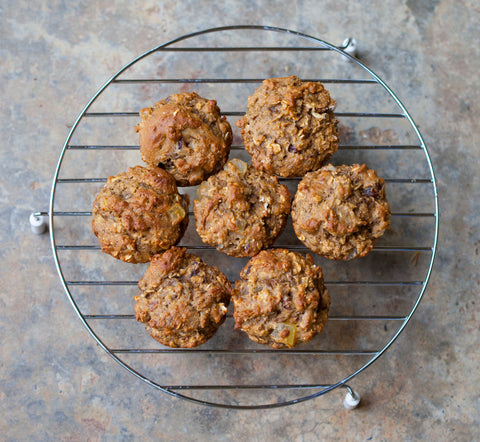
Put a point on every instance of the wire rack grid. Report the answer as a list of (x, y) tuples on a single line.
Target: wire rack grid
[(373, 298)]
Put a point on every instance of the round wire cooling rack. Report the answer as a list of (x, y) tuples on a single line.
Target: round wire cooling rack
[(373, 298)]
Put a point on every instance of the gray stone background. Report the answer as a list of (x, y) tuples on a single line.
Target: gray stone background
[(57, 384)]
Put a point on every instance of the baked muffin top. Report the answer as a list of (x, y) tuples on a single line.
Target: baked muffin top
[(280, 299), (340, 212), (182, 300), (289, 128), (186, 135), (241, 210), (139, 213)]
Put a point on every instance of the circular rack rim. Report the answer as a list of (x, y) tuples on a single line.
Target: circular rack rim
[(323, 389)]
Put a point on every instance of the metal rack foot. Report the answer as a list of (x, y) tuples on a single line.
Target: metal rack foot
[(352, 399)]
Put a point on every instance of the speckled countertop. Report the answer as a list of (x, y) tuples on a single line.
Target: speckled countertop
[(56, 383)]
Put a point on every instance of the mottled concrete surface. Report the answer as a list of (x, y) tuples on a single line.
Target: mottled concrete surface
[(57, 384)]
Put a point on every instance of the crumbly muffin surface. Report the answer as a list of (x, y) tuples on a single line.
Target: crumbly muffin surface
[(241, 210), (182, 300), (340, 212), (280, 299), (139, 213), (186, 135), (289, 128)]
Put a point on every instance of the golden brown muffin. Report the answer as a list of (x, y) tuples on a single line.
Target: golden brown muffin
[(186, 135), (340, 212), (139, 213), (289, 128), (280, 299), (182, 300), (241, 210)]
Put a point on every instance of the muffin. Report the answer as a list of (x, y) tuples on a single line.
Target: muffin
[(182, 300), (340, 212), (280, 299), (241, 210), (289, 128), (186, 135), (139, 213)]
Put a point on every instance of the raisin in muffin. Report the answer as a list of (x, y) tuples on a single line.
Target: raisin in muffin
[(340, 212), (280, 299), (241, 210), (182, 300), (289, 128), (139, 213), (186, 135)]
